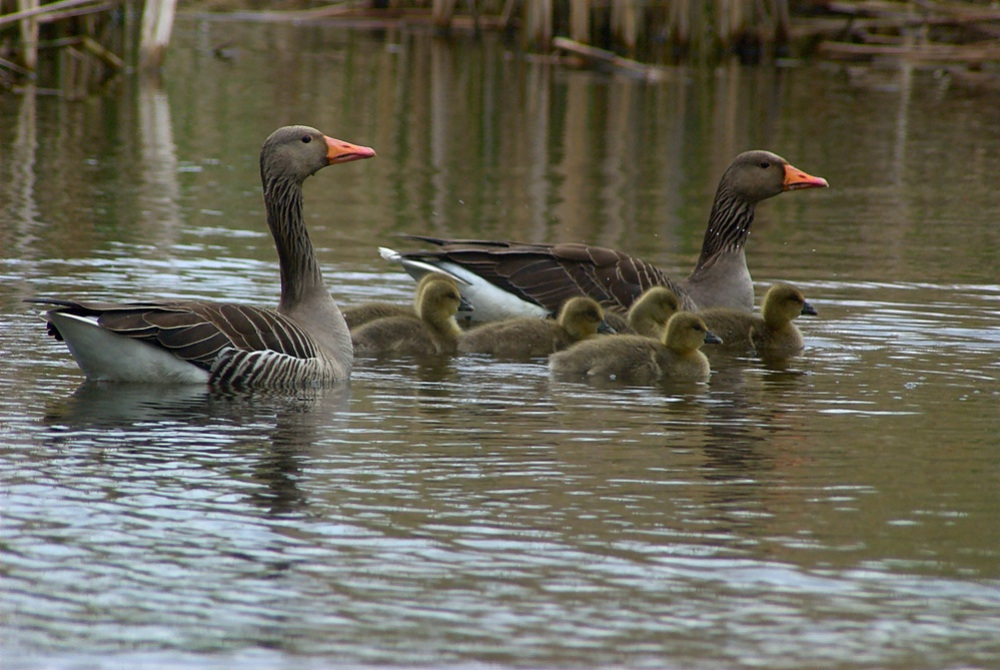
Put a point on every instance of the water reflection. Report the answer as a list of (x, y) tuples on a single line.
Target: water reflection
[(279, 430), (124, 405), (19, 192), (157, 158)]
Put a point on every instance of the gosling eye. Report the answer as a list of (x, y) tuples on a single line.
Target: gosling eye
[(306, 139)]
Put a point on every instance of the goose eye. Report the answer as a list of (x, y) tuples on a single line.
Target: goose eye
[(765, 164), (306, 139)]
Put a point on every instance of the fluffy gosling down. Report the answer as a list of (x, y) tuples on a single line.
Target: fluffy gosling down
[(771, 332), (530, 337), (642, 360), (358, 315), (432, 330), (648, 315)]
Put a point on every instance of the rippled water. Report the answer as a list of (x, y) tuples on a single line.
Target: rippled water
[(835, 510)]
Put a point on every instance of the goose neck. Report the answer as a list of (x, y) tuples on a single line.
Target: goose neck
[(300, 272), (728, 226)]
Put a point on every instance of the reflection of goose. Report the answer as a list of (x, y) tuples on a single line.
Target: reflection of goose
[(512, 279), (137, 407), (303, 341), (642, 359), (359, 315), (432, 330), (128, 405), (770, 332), (530, 336), (649, 314)]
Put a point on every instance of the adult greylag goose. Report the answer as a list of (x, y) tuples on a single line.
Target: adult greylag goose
[(432, 330), (648, 315), (531, 336), (770, 332), (358, 315), (512, 278), (639, 359), (304, 341)]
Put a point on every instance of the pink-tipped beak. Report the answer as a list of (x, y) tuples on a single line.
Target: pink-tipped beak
[(796, 179), (339, 151)]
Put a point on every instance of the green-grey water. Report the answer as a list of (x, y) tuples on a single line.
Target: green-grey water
[(838, 510)]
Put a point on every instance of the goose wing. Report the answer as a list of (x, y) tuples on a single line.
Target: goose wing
[(549, 274), (197, 332)]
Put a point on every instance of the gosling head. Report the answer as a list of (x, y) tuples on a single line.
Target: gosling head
[(656, 304), (429, 278), (582, 318), (686, 332), (784, 302), (439, 299)]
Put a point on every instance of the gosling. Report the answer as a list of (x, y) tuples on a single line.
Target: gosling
[(769, 333), (530, 337), (432, 330), (358, 315), (650, 313), (643, 360)]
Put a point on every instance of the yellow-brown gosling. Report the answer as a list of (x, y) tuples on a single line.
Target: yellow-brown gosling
[(649, 314), (359, 315), (771, 332), (529, 336), (642, 360), (432, 330)]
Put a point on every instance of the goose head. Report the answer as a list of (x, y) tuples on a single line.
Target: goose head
[(757, 175), (582, 317), (783, 303), (297, 152), (686, 332)]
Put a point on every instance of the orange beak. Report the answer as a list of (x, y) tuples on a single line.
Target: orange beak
[(796, 179), (339, 151)]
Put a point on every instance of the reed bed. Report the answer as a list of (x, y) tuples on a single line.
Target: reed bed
[(97, 38)]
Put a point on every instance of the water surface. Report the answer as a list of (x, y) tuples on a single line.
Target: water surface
[(835, 510)]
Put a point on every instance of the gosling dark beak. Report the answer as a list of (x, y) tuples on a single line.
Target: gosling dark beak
[(712, 338), (808, 309), (606, 329), (464, 305)]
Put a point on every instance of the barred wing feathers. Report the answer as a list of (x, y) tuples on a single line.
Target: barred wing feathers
[(550, 274), (201, 333)]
